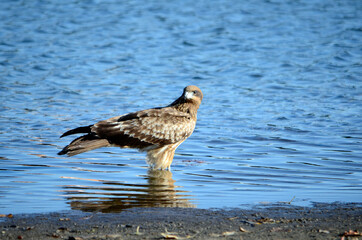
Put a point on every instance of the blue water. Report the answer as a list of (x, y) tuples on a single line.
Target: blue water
[(281, 115)]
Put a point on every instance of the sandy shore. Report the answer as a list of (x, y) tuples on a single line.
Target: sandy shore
[(323, 221)]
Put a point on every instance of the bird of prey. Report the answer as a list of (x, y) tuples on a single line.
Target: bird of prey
[(157, 131)]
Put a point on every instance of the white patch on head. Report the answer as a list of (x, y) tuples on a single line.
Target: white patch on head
[(189, 95)]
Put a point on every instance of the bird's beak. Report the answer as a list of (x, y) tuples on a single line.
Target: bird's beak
[(189, 95)]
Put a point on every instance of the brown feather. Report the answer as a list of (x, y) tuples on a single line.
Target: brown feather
[(153, 126), (84, 144), (159, 131)]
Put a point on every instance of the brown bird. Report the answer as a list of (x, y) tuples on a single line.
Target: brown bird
[(158, 131)]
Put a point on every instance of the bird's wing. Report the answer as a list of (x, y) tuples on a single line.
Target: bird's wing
[(154, 126)]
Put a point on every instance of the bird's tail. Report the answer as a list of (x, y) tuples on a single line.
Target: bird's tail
[(86, 129), (84, 143)]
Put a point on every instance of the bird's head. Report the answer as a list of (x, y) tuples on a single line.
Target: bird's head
[(192, 94)]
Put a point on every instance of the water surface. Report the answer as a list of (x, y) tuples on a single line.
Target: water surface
[(281, 115)]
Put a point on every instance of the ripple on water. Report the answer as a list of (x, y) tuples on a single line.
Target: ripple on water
[(280, 115)]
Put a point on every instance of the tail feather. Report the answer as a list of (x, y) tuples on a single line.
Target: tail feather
[(84, 144), (86, 129)]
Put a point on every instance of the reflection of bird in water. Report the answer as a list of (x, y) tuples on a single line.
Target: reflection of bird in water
[(158, 131), (116, 197)]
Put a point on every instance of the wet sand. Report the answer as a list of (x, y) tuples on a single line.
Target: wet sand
[(322, 221)]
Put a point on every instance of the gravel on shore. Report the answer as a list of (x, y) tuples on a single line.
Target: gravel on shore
[(322, 221)]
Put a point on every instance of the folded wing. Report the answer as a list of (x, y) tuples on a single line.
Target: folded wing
[(141, 129)]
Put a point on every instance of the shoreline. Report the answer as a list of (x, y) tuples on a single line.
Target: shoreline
[(322, 221)]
